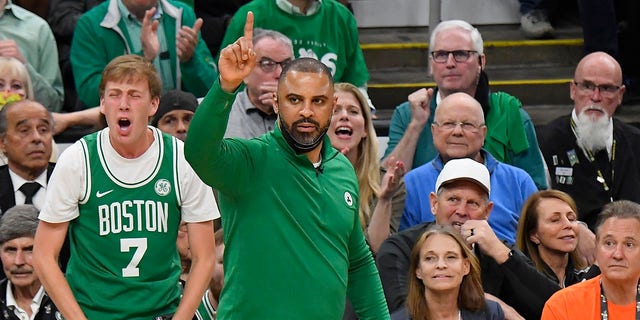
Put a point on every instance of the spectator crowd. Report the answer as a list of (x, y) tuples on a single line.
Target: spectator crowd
[(231, 171)]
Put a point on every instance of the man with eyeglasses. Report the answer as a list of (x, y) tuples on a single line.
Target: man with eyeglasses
[(252, 112), (615, 293), (458, 132), (591, 155), (323, 30), (457, 63)]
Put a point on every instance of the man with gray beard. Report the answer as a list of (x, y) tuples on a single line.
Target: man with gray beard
[(591, 155)]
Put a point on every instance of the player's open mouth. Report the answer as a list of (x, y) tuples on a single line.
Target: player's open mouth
[(124, 123)]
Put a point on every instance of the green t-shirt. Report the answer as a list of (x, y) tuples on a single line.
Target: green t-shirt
[(329, 35)]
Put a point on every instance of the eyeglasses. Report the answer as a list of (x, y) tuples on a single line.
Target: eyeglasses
[(466, 126), (607, 90), (268, 65), (441, 56)]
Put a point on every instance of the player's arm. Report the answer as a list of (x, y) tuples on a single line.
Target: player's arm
[(202, 247), (46, 248)]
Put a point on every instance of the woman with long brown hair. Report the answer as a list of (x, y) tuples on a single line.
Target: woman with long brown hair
[(444, 280), (548, 235)]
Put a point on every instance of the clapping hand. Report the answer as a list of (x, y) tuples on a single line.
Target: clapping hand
[(391, 179), (149, 35), (187, 40)]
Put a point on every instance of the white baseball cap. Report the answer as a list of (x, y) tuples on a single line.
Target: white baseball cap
[(464, 169)]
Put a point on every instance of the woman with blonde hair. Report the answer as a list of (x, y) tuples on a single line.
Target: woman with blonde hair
[(548, 235), (444, 280), (16, 85), (352, 133)]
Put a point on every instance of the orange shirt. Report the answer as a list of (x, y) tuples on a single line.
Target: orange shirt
[(582, 301)]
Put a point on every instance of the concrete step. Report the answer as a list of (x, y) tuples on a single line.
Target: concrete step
[(504, 44), (538, 72), (532, 84)]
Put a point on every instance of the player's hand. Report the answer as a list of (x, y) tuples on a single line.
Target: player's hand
[(237, 59), (187, 40), (149, 35)]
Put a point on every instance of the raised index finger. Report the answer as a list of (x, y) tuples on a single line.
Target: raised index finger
[(248, 27)]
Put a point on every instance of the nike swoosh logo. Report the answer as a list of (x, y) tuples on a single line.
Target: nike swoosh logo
[(102, 194)]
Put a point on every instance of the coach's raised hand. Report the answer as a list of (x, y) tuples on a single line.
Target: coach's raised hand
[(237, 59)]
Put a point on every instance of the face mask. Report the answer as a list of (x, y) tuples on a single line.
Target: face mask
[(297, 146)]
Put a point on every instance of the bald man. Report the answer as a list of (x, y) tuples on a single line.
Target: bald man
[(591, 155), (459, 131), (457, 63)]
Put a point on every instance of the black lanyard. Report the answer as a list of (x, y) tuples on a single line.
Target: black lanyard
[(604, 310), (600, 178)]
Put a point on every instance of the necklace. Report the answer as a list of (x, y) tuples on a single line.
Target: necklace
[(604, 310)]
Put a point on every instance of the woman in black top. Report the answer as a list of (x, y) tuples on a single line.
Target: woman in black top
[(444, 280), (548, 235)]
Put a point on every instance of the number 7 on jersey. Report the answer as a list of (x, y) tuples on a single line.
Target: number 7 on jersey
[(140, 244)]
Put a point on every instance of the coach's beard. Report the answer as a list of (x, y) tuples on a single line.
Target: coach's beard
[(297, 142)]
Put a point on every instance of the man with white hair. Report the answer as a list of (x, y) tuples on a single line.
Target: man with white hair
[(457, 64), (459, 131), (591, 155)]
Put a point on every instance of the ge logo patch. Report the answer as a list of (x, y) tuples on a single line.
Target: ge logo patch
[(162, 187), (348, 198)]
